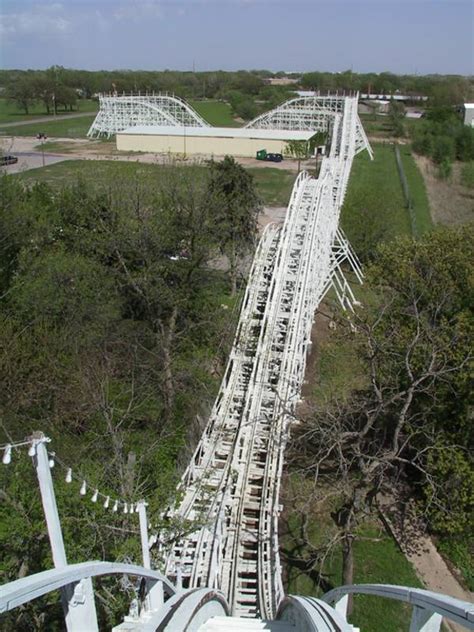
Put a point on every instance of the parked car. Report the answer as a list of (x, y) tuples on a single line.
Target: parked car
[(8, 160), (262, 154), (274, 157)]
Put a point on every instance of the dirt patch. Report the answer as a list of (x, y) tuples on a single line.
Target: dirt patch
[(271, 214), (451, 203), (320, 334), (419, 549)]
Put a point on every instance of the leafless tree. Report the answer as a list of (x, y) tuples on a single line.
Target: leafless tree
[(360, 448)]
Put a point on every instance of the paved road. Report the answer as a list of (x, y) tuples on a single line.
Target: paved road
[(47, 119), (31, 160)]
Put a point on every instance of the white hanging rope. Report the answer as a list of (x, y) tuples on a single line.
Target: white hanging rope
[(8, 448)]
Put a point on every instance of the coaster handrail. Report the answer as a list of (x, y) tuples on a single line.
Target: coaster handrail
[(22, 590), (431, 603)]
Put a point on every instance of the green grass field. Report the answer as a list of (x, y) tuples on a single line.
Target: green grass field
[(61, 128), (374, 209), (273, 185), (10, 113), (217, 113), (380, 125), (377, 125), (418, 194)]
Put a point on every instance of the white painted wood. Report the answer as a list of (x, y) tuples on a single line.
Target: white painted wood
[(77, 598)]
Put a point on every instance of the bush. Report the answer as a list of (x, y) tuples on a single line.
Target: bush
[(443, 149), (465, 143), (423, 144), (467, 175), (445, 169), (460, 553)]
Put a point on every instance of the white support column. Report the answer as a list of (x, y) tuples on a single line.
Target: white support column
[(142, 505), (77, 599), (341, 605), (155, 598), (423, 620)]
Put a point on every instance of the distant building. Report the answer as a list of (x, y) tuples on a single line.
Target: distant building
[(307, 93), (207, 141), (281, 81), (395, 97), (469, 114)]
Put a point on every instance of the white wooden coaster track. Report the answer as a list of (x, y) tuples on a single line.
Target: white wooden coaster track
[(224, 553), (117, 113), (230, 490)]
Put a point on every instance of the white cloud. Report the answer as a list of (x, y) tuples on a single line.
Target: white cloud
[(44, 20), (138, 11)]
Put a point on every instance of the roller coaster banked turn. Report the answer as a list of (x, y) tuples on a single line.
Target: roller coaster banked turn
[(230, 489)]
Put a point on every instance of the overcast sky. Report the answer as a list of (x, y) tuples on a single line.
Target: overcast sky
[(402, 36)]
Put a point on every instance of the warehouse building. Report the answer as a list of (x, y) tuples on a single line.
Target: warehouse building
[(469, 114), (209, 141)]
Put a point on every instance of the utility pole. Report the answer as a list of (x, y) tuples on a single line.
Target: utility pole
[(78, 598)]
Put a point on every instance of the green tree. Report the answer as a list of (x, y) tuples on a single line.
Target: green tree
[(237, 211), (44, 90), (112, 337), (66, 97), (298, 149), (410, 425), (22, 93), (444, 148), (64, 290), (397, 115)]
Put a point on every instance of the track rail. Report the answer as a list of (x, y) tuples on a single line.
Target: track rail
[(117, 113), (227, 536)]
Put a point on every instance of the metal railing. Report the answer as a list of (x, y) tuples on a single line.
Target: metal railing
[(429, 608)]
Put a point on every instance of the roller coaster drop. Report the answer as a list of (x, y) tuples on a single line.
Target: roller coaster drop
[(228, 561), (231, 486)]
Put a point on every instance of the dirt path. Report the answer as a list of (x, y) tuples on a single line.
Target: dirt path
[(421, 552), (451, 203)]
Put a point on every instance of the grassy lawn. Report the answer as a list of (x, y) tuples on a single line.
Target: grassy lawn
[(461, 554), (217, 113), (380, 124), (377, 125), (57, 146), (418, 194), (337, 366), (10, 113), (273, 185), (62, 128), (374, 209), (377, 559)]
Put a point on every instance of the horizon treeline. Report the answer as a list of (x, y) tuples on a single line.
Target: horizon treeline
[(443, 89)]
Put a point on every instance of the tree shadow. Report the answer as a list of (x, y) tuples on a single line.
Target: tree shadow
[(298, 559)]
